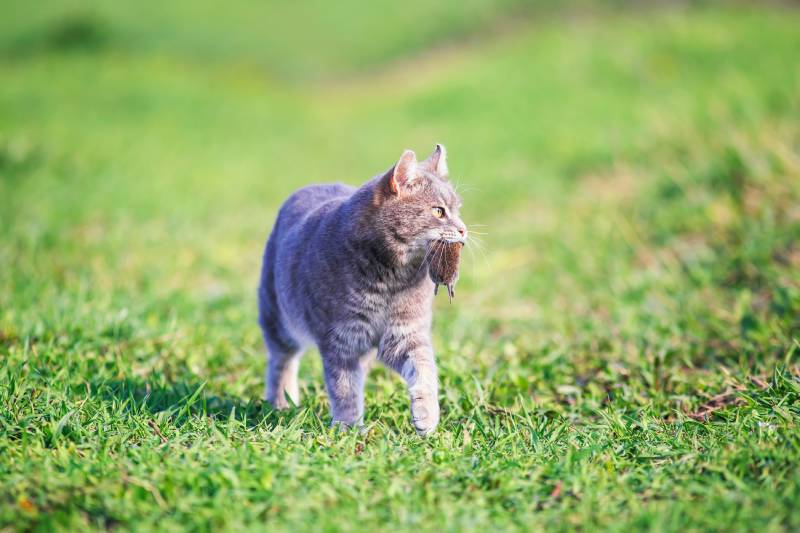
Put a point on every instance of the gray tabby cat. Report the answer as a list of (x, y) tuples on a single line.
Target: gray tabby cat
[(345, 269)]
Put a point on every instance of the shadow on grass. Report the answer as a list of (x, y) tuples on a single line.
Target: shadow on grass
[(187, 399)]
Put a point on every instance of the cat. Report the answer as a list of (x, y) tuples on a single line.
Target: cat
[(344, 269)]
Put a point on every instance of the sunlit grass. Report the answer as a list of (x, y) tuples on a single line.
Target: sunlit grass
[(622, 349)]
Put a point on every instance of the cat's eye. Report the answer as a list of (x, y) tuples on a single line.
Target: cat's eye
[(438, 212)]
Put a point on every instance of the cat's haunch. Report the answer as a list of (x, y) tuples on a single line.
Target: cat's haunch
[(443, 265)]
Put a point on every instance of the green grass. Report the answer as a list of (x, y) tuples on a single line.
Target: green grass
[(623, 350)]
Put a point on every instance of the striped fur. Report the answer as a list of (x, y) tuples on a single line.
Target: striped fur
[(345, 269)]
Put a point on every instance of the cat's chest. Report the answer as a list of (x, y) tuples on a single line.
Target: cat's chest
[(357, 332), (370, 316), (385, 310)]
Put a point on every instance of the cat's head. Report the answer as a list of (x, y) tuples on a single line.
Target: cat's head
[(417, 204)]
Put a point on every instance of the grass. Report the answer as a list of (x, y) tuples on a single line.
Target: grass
[(622, 353)]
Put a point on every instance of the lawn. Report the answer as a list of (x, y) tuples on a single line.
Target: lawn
[(624, 349)]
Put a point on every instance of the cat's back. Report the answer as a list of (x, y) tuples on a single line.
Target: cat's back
[(291, 259), (310, 202)]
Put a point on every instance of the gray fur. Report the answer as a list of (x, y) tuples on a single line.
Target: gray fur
[(345, 269)]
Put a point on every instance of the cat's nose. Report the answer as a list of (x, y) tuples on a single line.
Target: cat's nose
[(461, 228)]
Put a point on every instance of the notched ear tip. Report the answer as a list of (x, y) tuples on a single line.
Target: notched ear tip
[(438, 160)]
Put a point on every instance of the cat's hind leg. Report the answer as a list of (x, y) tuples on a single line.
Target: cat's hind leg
[(344, 380), (281, 376), (283, 354)]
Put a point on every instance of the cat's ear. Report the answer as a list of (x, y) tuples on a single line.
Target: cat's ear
[(437, 161), (403, 172)]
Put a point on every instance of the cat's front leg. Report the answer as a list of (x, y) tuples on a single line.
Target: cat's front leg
[(412, 357), (344, 380), (423, 389)]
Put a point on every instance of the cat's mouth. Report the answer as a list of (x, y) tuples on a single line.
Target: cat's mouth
[(452, 238), (428, 240)]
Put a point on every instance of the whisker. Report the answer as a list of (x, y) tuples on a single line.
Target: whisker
[(468, 188), (459, 187), (423, 263), (479, 243), (480, 246), (471, 254)]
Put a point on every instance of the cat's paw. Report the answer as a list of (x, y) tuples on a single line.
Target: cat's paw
[(347, 427), (424, 413), (282, 401)]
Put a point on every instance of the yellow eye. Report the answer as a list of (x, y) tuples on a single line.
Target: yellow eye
[(438, 212)]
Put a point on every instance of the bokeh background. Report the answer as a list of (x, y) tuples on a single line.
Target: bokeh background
[(621, 351)]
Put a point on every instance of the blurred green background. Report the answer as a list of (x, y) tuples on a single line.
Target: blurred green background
[(621, 353)]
